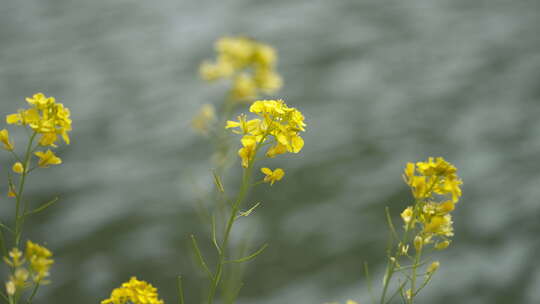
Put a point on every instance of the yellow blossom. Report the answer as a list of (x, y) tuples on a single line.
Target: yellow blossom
[(4, 139), (277, 123), (407, 214), (19, 278), (436, 176), (249, 63), (47, 158), (134, 292), (246, 126), (244, 88), (10, 288), (211, 71), (440, 225), (267, 80), (247, 152), (45, 117), (16, 258), (276, 150), (18, 168), (272, 176), (447, 206), (40, 260)]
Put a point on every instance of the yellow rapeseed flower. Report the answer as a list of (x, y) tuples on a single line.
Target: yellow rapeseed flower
[(18, 168), (278, 125), (16, 258), (249, 63), (134, 292), (47, 158), (272, 176), (46, 117), (407, 214), (436, 176), (247, 152), (435, 186), (4, 139), (40, 260), (246, 126)]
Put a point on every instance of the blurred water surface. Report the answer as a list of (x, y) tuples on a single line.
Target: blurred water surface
[(380, 82)]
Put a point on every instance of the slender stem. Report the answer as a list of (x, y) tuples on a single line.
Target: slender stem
[(34, 291), (224, 244), (387, 278), (414, 275), (22, 180), (180, 290)]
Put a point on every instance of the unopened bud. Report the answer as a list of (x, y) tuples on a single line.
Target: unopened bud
[(433, 267), (442, 245), (418, 243)]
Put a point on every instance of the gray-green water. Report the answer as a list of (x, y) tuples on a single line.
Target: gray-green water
[(381, 83)]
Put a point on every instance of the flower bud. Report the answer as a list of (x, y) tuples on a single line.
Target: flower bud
[(18, 168), (418, 243)]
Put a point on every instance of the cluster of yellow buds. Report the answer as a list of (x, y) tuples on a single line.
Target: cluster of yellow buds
[(134, 292), (436, 190), (249, 63), (277, 125), (35, 264)]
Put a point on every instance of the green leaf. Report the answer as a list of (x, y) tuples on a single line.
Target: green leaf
[(42, 207), (200, 258), (249, 257)]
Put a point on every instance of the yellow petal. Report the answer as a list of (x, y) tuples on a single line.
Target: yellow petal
[(266, 171)]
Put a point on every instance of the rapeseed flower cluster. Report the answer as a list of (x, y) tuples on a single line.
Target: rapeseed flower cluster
[(277, 125), (436, 189), (46, 117), (40, 260), (35, 264), (134, 292), (249, 63)]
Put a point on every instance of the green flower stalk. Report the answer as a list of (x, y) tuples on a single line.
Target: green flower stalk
[(436, 189), (46, 120), (277, 127)]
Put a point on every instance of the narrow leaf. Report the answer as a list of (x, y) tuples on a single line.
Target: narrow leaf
[(214, 238), (43, 207), (200, 258), (217, 181), (249, 257)]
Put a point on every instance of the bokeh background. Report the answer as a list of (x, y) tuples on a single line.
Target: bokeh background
[(381, 83)]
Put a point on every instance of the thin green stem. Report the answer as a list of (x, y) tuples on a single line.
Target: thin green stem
[(224, 244), (414, 275), (387, 277), (33, 294), (180, 290), (22, 180)]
